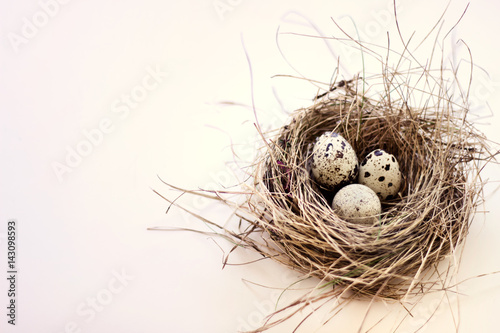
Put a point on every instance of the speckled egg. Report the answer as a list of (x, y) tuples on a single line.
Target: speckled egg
[(357, 203), (334, 162), (380, 172)]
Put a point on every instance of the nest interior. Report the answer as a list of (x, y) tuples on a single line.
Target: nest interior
[(438, 152)]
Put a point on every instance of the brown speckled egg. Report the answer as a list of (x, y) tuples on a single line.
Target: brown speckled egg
[(380, 172), (334, 162), (357, 203)]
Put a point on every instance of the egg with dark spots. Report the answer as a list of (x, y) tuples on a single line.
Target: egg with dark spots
[(334, 161), (379, 171)]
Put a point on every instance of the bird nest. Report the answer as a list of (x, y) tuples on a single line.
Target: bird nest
[(438, 153), (289, 218)]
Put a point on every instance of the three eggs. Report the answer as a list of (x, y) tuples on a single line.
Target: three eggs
[(335, 167)]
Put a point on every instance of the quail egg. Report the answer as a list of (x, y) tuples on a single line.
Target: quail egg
[(357, 203), (334, 162), (380, 172)]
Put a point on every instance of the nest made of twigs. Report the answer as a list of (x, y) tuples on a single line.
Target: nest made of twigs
[(438, 153), (289, 217)]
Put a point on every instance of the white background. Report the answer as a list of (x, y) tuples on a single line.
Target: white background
[(86, 261)]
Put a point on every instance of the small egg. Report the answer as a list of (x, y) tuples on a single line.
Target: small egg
[(334, 162), (380, 172), (357, 203)]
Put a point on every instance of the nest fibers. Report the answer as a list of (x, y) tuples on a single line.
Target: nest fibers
[(290, 219), (438, 153)]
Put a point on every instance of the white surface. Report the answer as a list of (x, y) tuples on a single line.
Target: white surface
[(86, 262)]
